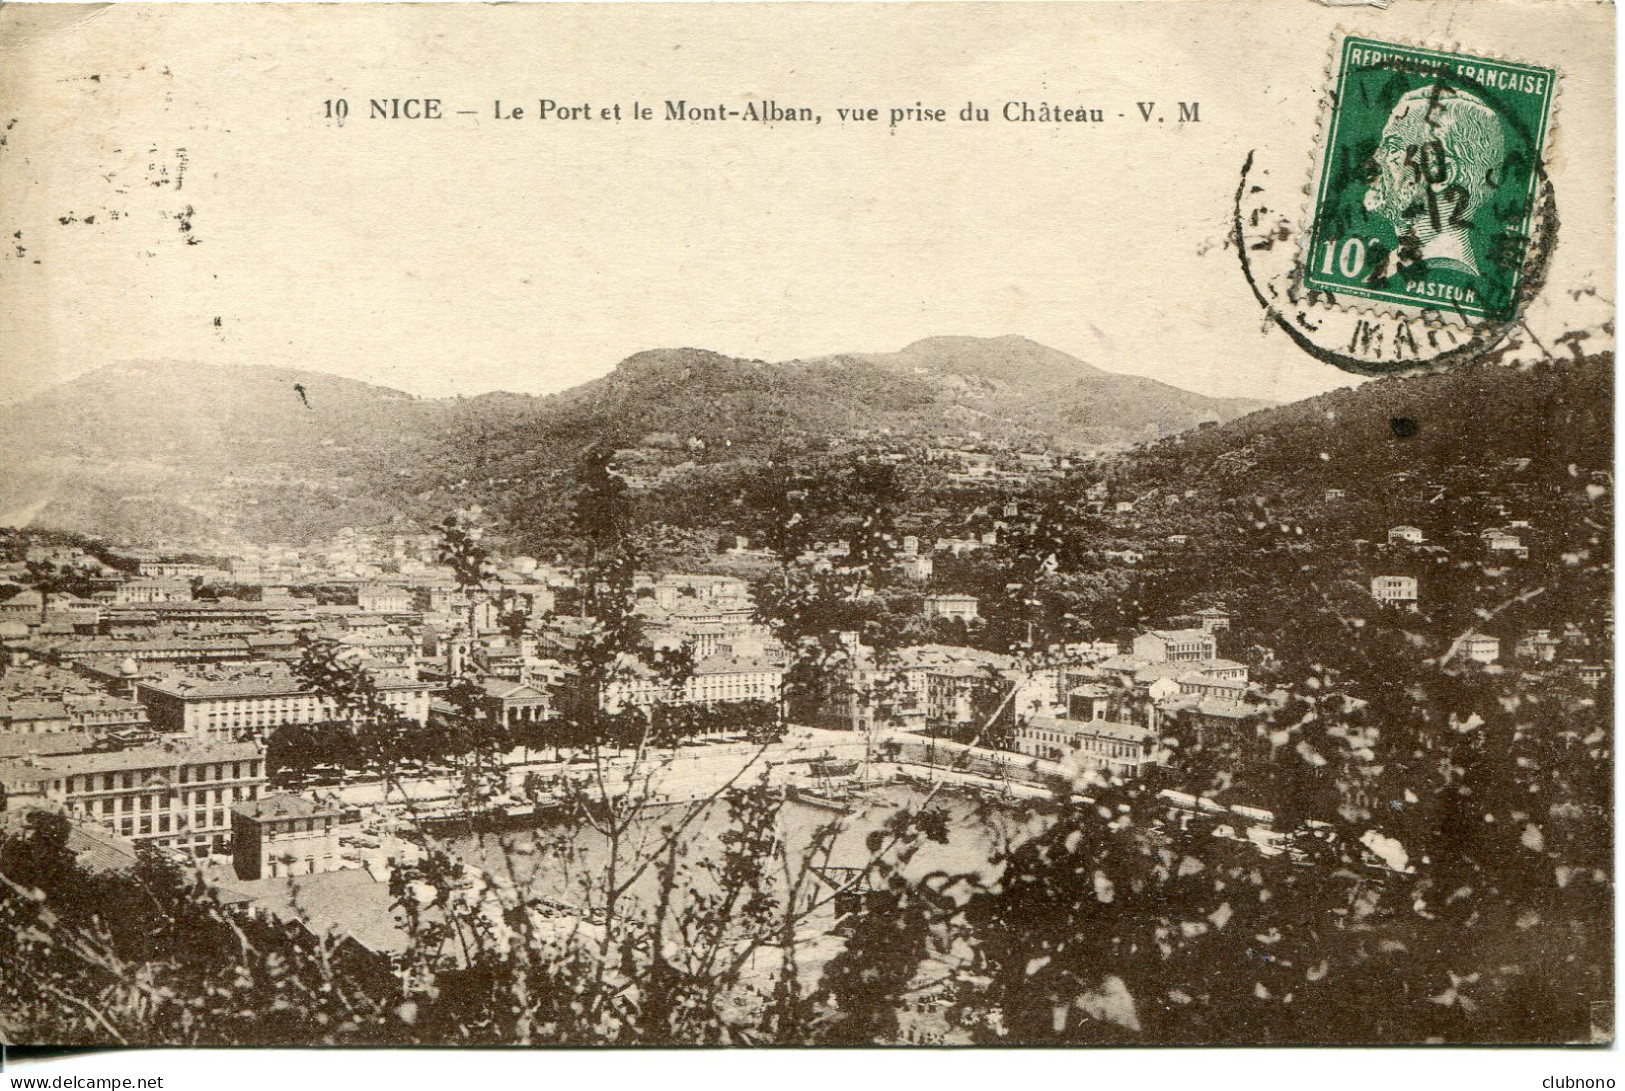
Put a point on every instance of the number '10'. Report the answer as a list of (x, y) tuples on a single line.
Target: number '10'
[(1350, 259)]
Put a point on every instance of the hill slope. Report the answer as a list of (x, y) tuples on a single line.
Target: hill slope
[(205, 454), (1557, 414), (199, 452), (1022, 382), (1285, 515)]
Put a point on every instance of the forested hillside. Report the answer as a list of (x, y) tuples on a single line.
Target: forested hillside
[(200, 454)]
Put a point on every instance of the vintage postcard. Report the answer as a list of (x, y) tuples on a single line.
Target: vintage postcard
[(733, 525)]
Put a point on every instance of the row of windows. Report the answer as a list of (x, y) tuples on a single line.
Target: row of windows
[(247, 704), (1046, 736), (162, 801), (279, 867), (645, 693), (307, 705), (307, 710), (279, 830), (237, 767), (148, 824), (1112, 749), (733, 689), (1096, 746), (112, 782), (1054, 753)]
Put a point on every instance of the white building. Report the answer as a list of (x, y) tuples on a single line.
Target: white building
[(1499, 541), (718, 680), (174, 796), (960, 607), (1123, 749), (1175, 645), (281, 834), (259, 702), (384, 598), (172, 570), (1479, 648), (144, 591), (677, 590), (1393, 589), (958, 546)]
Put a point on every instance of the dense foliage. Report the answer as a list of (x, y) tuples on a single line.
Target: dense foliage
[(1438, 869)]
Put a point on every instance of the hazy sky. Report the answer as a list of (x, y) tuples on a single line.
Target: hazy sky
[(469, 254)]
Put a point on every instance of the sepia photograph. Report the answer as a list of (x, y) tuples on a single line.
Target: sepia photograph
[(782, 525)]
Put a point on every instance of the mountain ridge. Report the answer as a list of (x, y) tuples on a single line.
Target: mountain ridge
[(195, 450)]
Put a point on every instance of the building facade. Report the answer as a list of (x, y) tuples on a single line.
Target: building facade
[(173, 796), (957, 607), (1499, 541), (384, 598), (1123, 749), (1175, 645), (282, 834), (255, 704), (147, 591), (1480, 648), (916, 567), (173, 570), (1393, 589), (715, 681)]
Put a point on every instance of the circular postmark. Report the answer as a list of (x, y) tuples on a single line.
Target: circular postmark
[(1365, 342), (1429, 220)]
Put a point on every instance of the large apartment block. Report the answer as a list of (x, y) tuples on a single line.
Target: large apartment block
[(1124, 749), (173, 796), (148, 591), (227, 708), (1175, 645), (716, 681)]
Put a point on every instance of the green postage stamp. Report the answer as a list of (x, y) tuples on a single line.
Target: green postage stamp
[(1428, 179)]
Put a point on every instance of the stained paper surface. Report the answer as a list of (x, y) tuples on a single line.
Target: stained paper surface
[(807, 524)]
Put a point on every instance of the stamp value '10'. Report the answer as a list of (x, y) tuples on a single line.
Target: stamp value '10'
[(1425, 187)]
